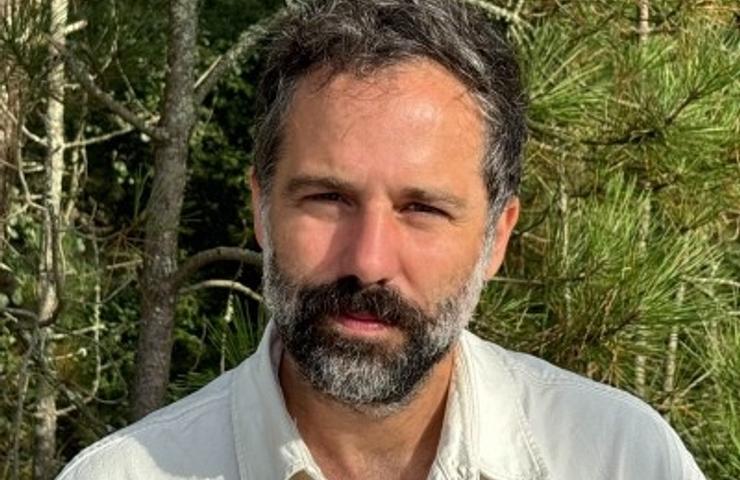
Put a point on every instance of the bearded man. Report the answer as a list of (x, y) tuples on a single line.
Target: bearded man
[(384, 191)]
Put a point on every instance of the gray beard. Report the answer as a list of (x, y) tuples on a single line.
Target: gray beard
[(369, 377)]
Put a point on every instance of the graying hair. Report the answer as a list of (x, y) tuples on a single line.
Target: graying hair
[(363, 36)]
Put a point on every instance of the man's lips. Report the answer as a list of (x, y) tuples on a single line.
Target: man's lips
[(361, 322)]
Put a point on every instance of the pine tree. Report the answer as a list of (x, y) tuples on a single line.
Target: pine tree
[(622, 266)]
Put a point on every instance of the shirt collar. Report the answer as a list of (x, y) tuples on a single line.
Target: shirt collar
[(506, 448), (484, 432), (266, 439)]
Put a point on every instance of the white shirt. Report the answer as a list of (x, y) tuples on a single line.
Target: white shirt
[(509, 416)]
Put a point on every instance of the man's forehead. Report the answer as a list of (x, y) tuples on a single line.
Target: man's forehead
[(412, 126), (395, 80), (415, 101)]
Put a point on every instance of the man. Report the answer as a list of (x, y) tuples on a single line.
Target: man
[(385, 193)]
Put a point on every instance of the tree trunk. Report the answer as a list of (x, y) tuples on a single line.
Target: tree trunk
[(50, 267), (563, 202), (163, 214), (10, 118), (9, 97), (641, 332), (44, 462), (643, 25), (643, 28), (669, 381)]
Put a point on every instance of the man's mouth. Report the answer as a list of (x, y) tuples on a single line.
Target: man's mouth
[(362, 322)]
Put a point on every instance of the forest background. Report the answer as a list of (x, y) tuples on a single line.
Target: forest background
[(128, 269)]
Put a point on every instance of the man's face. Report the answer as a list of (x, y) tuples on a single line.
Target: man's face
[(375, 236)]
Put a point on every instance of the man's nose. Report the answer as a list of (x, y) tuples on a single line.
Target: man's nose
[(371, 249)]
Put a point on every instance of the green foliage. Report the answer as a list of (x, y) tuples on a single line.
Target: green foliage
[(624, 266), (234, 336), (628, 239)]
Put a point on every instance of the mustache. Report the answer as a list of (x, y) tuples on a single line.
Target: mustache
[(346, 295)]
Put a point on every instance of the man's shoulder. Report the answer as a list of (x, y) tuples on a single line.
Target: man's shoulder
[(529, 372), (167, 444), (565, 412), (537, 381)]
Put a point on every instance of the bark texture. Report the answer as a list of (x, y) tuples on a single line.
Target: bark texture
[(50, 267), (10, 115), (159, 294), (9, 96)]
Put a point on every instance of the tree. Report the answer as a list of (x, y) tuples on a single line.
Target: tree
[(621, 268), (160, 278)]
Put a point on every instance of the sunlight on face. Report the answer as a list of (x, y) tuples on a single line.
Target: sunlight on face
[(378, 186)]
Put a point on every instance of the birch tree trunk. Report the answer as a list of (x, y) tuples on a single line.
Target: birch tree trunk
[(51, 270), (163, 211)]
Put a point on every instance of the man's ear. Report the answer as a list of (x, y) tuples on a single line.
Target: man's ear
[(257, 200), (504, 227)]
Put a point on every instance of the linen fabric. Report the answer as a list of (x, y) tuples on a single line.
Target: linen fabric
[(509, 416)]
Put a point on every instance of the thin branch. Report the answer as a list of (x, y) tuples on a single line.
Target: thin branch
[(130, 87), (94, 423), (24, 184), (96, 328), (106, 99), (21, 312), (24, 376), (632, 135), (32, 136), (229, 284), (218, 254), (78, 332), (78, 166), (246, 41), (517, 281), (127, 264), (714, 281), (74, 27), (511, 16), (33, 167), (99, 139)]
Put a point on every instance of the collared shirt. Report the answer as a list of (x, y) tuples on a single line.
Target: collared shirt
[(509, 416)]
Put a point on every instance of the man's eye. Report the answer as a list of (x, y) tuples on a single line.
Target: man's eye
[(328, 197), (426, 209)]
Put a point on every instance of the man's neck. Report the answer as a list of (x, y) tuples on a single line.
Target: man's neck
[(349, 444)]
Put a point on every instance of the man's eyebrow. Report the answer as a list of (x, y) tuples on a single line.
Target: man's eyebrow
[(303, 182)]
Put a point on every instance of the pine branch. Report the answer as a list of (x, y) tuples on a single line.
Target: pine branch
[(518, 281), (511, 16)]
